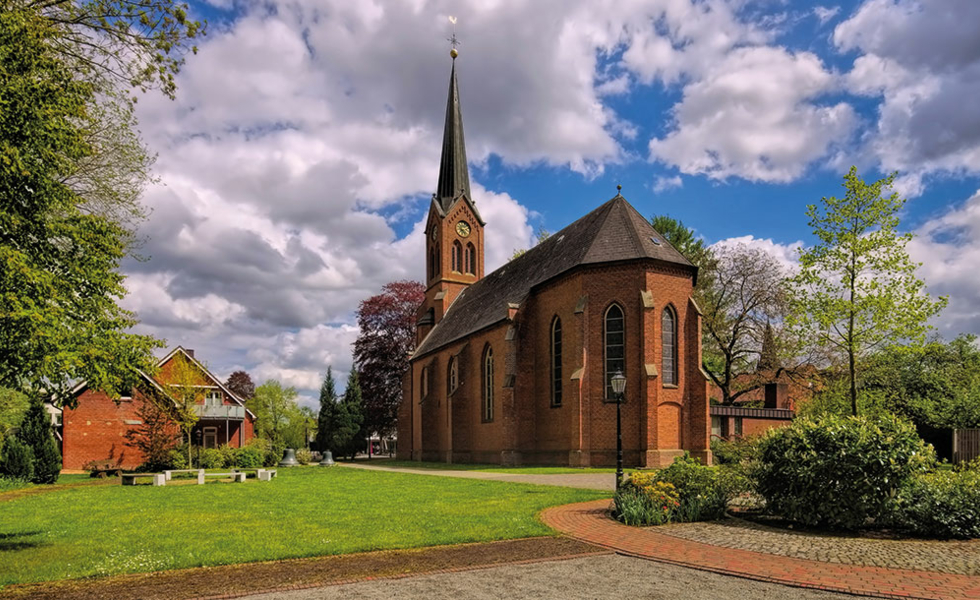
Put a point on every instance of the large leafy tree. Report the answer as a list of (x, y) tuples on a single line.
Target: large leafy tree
[(59, 317), (156, 434), (856, 290), (240, 383), (381, 350), (273, 405), (186, 385)]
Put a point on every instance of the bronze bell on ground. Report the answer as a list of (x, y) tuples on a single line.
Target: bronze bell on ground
[(327, 460), (289, 458)]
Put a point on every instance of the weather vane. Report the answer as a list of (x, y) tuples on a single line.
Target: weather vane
[(453, 41)]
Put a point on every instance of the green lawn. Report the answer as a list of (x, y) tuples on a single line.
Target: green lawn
[(523, 470), (87, 530)]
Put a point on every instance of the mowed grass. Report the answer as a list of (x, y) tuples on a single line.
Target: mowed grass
[(87, 531), (487, 468)]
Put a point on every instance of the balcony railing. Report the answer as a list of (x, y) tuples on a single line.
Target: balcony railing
[(220, 411)]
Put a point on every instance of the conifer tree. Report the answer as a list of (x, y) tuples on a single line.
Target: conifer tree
[(328, 405), (350, 417), (35, 432)]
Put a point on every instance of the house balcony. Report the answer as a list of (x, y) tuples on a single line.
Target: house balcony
[(220, 411)]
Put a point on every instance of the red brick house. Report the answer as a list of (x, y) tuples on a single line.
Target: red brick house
[(514, 367), (96, 428)]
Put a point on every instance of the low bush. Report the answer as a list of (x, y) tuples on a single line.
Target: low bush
[(839, 472), (642, 501), (703, 491), (210, 458), (738, 451), (17, 460), (304, 456), (252, 455), (943, 504), (274, 453), (8, 484), (178, 458), (229, 455)]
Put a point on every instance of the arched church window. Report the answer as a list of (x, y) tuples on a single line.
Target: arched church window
[(453, 374), (668, 332), (556, 362), (457, 257), (488, 383), (614, 350), (425, 382), (432, 263), (470, 259)]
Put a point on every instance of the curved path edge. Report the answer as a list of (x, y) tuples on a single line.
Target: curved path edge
[(591, 522)]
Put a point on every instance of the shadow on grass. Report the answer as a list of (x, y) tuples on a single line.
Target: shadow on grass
[(14, 541)]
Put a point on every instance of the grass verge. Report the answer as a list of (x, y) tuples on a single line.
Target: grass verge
[(85, 531)]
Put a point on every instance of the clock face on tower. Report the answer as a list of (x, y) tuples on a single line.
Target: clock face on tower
[(463, 228)]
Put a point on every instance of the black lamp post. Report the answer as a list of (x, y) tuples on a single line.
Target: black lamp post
[(199, 435), (618, 383)]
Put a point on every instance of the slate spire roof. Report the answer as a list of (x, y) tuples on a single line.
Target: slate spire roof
[(454, 176), (613, 232)]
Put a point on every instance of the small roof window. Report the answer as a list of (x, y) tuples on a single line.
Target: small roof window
[(655, 240)]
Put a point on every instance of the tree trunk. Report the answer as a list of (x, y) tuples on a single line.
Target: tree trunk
[(854, 392)]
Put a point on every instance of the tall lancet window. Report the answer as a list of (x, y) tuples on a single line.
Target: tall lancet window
[(488, 384), (556, 362), (614, 351), (457, 257), (470, 258), (668, 331), (432, 263)]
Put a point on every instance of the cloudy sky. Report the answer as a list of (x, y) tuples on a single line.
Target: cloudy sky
[(296, 164)]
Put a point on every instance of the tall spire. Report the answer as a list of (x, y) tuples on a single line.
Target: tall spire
[(454, 176)]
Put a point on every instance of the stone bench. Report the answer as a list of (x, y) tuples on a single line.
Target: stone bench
[(260, 474), (239, 477), (130, 478), (169, 473)]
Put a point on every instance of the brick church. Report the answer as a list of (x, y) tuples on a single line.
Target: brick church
[(514, 367)]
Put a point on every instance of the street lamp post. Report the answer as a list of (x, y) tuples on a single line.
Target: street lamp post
[(200, 434), (618, 383)]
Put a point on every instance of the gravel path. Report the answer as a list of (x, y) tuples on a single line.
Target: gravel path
[(589, 481), (608, 576), (959, 557)]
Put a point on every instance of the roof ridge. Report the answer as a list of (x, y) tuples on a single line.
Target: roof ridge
[(631, 226), (605, 218)]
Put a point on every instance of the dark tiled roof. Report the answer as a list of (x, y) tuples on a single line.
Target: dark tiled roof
[(612, 232)]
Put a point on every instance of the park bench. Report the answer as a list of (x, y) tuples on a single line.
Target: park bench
[(170, 472), (238, 477), (130, 478), (260, 474)]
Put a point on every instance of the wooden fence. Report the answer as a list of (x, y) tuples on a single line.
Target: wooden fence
[(966, 445)]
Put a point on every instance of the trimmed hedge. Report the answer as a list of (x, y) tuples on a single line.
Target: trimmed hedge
[(839, 472)]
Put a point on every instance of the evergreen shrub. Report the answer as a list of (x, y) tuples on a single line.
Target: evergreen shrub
[(17, 460), (943, 504)]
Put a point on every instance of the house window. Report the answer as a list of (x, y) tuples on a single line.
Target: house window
[(453, 374), (488, 384), (213, 398), (668, 329), (556, 362), (738, 426), (470, 259), (615, 345), (716, 427), (457, 257)]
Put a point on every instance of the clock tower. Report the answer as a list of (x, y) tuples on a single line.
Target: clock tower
[(454, 229)]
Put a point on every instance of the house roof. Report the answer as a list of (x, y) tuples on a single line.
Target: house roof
[(613, 232)]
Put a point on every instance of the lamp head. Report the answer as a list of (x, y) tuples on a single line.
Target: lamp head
[(618, 382)]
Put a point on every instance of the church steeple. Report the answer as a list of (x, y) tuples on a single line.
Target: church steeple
[(454, 176)]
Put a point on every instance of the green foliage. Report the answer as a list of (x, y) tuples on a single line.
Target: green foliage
[(274, 453), (36, 433), (17, 460), (856, 289), (683, 239), (13, 406), (703, 491), (738, 451), (252, 455), (943, 504), (304, 456), (178, 459), (341, 425), (9, 484), (273, 405), (155, 435), (210, 458), (839, 472), (59, 317), (229, 455), (643, 501)]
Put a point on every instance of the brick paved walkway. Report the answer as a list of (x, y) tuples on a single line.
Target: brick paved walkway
[(590, 522)]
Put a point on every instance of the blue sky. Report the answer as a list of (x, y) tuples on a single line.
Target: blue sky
[(296, 164)]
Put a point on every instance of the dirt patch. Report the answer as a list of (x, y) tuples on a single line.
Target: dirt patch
[(235, 580), (47, 488)]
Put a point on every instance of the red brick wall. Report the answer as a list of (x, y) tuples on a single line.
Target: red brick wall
[(95, 430)]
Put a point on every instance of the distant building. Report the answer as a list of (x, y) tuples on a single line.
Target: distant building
[(95, 429), (515, 366)]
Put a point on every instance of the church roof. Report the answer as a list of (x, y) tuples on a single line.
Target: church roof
[(613, 232), (454, 176)]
